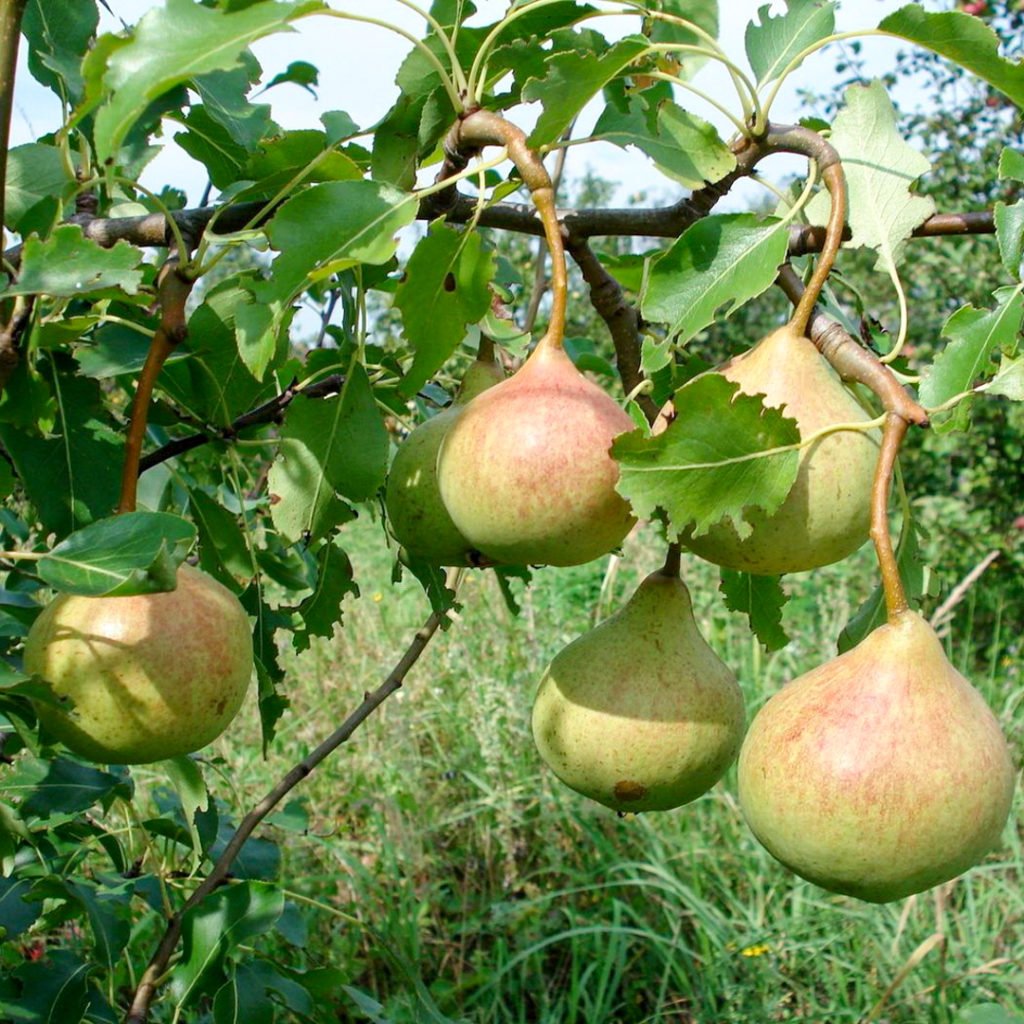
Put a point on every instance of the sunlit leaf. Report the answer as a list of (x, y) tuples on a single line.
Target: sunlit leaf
[(774, 41)]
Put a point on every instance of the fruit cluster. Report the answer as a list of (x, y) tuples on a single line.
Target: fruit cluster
[(878, 774)]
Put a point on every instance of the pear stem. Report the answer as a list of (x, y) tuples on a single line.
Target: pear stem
[(892, 584), (173, 288), (672, 561), (484, 128), (835, 180)]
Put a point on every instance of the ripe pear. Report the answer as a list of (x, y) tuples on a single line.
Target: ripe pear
[(881, 773), (150, 676), (826, 514), (640, 714), (419, 521), (525, 471)]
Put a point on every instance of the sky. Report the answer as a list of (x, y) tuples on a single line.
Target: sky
[(357, 65)]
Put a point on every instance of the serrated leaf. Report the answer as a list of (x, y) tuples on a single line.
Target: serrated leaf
[(872, 614), (58, 36), (1011, 164), (1010, 235), (760, 598), (68, 264), (682, 145), (572, 80), (444, 288), (772, 42), (880, 168), (1009, 380), (702, 13), (321, 611), (330, 227), (964, 39), (974, 336), (714, 267), (708, 465), (172, 44), (329, 446), (34, 173), (133, 553)]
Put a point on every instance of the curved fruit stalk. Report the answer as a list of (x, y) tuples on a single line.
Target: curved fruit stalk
[(150, 676), (826, 515), (419, 521), (526, 473), (640, 714), (881, 773)]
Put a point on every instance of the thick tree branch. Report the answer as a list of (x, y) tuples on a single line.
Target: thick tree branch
[(157, 967)]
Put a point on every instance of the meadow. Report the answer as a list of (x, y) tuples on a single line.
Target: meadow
[(451, 877)]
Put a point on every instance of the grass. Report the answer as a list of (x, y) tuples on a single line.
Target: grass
[(453, 878)]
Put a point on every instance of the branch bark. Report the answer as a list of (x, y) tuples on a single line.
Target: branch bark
[(157, 967)]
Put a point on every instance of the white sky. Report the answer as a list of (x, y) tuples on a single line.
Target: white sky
[(357, 66)]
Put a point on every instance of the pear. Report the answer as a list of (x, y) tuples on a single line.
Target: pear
[(881, 773), (640, 714), (525, 471), (826, 514), (150, 676), (419, 521)]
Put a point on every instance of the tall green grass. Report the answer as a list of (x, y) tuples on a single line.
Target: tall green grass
[(453, 878)]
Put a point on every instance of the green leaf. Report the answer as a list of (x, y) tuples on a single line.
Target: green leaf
[(714, 267), (58, 36), (964, 39), (1010, 235), (172, 44), (116, 351), (1011, 164), (702, 13), (133, 553), (216, 926), (682, 145), (772, 42), (708, 464), (330, 227), (73, 477), (225, 96), (1009, 380), (62, 786), (880, 168), (254, 989), (321, 611), (974, 336), (209, 142), (223, 551), (16, 911), (572, 80), (34, 173), (444, 288), (329, 446), (54, 989), (871, 614), (106, 910), (185, 775), (987, 1013), (68, 264), (760, 598)]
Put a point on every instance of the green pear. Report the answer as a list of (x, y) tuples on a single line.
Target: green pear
[(150, 676), (419, 521), (826, 515), (640, 714), (881, 773), (526, 472)]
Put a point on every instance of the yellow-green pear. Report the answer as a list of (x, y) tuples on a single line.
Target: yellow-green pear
[(881, 773), (150, 676), (640, 714), (526, 472), (825, 516), (419, 521)]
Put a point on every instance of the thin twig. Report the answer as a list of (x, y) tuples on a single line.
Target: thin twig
[(945, 610), (11, 12), (157, 967)]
